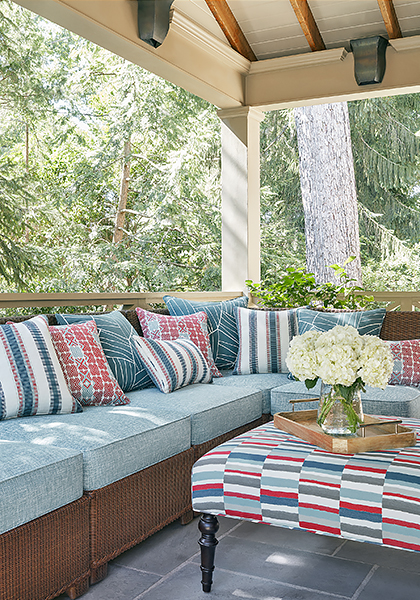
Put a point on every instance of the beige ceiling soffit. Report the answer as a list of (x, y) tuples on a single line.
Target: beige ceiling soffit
[(390, 19), (308, 24), (230, 27), (189, 29), (241, 111), (405, 44), (298, 61)]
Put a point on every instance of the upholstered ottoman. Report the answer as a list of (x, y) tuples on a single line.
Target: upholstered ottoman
[(270, 476)]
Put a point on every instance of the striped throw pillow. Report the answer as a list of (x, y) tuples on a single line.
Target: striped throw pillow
[(264, 337), (31, 379), (173, 364)]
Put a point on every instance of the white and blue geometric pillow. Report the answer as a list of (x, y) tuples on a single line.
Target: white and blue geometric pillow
[(31, 379), (116, 335), (367, 322), (221, 322), (264, 338), (172, 364)]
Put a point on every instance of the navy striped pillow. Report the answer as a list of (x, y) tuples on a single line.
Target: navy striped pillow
[(172, 364), (264, 337)]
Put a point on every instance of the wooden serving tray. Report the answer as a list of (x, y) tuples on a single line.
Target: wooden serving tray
[(374, 435)]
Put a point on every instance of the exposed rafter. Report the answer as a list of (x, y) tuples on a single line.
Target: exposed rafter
[(390, 19), (230, 27), (308, 24)]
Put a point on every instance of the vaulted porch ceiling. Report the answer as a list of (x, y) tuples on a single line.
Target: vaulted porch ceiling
[(301, 49)]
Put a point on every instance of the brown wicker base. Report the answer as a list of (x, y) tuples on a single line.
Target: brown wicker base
[(201, 449), (48, 556), (131, 509)]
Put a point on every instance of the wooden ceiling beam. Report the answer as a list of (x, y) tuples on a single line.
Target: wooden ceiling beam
[(230, 27), (308, 24), (390, 19)]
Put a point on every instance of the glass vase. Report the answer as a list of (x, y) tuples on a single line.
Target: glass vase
[(338, 415)]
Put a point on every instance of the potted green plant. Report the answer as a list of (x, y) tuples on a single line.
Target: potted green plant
[(297, 288)]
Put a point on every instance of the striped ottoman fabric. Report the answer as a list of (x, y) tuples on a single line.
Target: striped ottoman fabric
[(269, 476)]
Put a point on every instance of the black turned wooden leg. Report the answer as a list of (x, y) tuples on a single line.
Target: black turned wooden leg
[(208, 526)]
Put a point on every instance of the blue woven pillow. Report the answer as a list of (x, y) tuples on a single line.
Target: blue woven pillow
[(367, 322), (221, 322), (117, 338)]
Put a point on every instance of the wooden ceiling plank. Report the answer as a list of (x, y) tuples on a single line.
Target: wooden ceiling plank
[(308, 24), (230, 27), (390, 19)]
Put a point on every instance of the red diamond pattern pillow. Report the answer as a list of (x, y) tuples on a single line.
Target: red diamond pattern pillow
[(406, 355), (84, 365), (189, 327)]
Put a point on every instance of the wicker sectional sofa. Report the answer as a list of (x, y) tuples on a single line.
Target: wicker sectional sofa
[(78, 489)]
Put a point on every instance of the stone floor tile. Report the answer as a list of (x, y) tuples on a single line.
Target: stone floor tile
[(120, 584), (305, 569), (391, 584), (381, 555), (169, 548), (185, 585), (292, 538)]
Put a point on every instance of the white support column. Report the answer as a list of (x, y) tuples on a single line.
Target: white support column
[(240, 196)]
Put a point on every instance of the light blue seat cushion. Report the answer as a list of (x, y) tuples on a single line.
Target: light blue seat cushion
[(394, 400), (263, 382), (212, 410), (36, 479), (116, 441)]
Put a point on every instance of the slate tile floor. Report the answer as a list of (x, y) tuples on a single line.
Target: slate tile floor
[(259, 562)]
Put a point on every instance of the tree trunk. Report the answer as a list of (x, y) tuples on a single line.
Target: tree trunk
[(122, 204), (328, 190)]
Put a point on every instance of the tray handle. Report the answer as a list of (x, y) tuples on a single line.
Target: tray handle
[(394, 422), (293, 402)]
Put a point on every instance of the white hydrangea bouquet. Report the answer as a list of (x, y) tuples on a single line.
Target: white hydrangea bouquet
[(343, 359)]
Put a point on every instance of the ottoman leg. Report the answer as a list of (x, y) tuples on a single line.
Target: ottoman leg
[(208, 526)]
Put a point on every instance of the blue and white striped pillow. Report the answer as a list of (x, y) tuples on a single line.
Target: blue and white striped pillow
[(264, 338), (172, 364), (31, 379)]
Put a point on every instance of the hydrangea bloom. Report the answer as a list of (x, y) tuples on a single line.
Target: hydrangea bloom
[(343, 359), (340, 356)]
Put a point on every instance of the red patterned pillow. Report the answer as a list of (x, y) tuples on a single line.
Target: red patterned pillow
[(406, 355), (190, 327), (84, 365)]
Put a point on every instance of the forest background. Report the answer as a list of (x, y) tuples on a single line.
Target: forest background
[(75, 120)]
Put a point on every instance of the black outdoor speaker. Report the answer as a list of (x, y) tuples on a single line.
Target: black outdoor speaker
[(369, 59), (153, 20)]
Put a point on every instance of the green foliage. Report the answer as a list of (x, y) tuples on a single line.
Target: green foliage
[(66, 109), (297, 288), (345, 294)]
